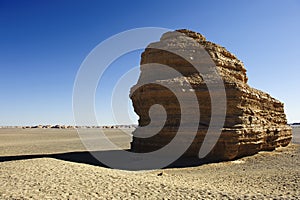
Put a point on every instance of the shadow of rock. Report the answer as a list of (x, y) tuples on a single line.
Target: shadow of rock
[(86, 157)]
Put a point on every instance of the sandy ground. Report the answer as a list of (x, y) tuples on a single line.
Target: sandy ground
[(47, 174), (296, 135), (47, 141)]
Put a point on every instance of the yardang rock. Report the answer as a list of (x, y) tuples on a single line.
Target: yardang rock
[(254, 120)]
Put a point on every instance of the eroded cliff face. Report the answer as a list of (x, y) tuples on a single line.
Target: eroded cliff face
[(254, 120)]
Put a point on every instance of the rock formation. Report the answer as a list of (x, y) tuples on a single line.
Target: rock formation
[(254, 120), (57, 126)]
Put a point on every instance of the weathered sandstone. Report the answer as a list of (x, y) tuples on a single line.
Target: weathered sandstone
[(254, 120)]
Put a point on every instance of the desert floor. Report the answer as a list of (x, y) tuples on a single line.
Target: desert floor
[(53, 164)]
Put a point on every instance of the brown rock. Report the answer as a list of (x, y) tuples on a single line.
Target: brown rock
[(38, 126), (56, 126), (254, 120)]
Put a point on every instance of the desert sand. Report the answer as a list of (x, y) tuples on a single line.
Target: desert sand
[(53, 164)]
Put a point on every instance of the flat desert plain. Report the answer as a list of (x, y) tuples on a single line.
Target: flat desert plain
[(54, 164)]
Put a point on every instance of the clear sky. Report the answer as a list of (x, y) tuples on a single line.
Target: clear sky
[(43, 43)]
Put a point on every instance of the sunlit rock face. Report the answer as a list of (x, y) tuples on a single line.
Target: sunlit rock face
[(254, 121)]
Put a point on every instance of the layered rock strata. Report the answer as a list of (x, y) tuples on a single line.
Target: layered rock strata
[(254, 120)]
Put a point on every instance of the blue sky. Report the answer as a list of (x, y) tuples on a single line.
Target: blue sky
[(43, 43)]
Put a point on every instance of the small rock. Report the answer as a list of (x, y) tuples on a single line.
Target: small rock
[(160, 174)]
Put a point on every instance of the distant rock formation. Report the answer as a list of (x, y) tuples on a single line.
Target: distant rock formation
[(72, 127), (295, 124), (254, 120)]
